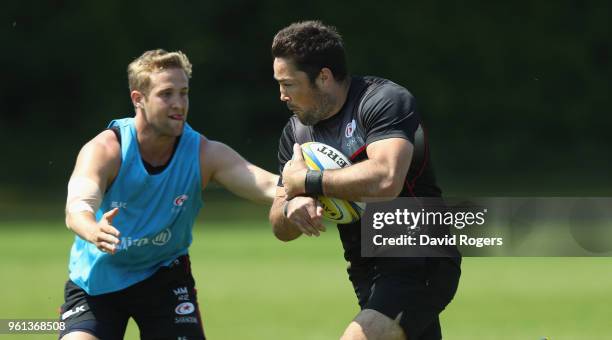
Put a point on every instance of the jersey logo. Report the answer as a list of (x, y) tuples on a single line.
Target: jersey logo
[(180, 291), (180, 200), (350, 129), (162, 238), (184, 308), (117, 204)]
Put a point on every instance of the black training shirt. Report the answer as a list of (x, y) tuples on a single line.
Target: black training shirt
[(375, 109)]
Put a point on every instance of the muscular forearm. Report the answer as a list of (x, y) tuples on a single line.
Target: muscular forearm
[(380, 177), (267, 183), (282, 227), (99, 233), (82, 223), (364, 181), (220, 163), (249, 181)]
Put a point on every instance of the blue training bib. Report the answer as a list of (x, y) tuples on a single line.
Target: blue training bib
[(155, 219)]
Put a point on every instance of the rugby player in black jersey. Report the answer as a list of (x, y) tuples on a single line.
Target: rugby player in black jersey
[(374, 122)]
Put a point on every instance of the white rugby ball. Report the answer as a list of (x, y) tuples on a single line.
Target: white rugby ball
[(319, 156)]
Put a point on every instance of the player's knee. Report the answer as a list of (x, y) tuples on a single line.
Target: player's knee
[(78, 335), (372, 325)]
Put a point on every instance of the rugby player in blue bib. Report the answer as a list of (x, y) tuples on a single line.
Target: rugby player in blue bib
[(132, 201)]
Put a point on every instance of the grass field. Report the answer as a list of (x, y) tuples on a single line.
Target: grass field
[(254, 287)]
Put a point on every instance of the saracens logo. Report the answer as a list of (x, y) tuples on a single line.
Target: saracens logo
[(350, 129), (185, 308), (180, 200)]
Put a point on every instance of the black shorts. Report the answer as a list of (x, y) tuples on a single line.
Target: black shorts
[(411, 290), (164, 306)]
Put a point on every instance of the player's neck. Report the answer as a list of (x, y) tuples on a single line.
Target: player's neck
[(340, 94), (154, 148)]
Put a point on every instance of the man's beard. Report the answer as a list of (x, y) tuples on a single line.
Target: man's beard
[(322, 109), (310, 117)]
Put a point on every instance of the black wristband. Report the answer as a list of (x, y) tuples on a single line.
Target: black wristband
[(314, 183)]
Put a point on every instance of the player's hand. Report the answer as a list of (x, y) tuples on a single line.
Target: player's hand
[(306, 214), (106, 237), (294, 174)]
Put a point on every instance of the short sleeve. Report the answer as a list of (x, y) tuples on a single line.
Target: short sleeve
[(285, 149), (388, 112)]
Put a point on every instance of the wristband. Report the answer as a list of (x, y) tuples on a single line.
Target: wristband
[(314, 183)]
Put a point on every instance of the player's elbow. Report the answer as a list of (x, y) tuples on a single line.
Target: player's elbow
[(387, 181), (389, 187), (68, 221), (284, 234), (281, 226)]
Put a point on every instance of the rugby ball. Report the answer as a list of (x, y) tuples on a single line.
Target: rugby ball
[(319, 156)]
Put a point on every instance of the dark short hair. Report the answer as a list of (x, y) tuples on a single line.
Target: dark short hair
[(311, 45)]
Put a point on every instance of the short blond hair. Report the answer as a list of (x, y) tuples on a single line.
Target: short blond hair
[(151, 61)]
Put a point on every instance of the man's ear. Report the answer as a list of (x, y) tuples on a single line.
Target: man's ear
[(137, 99), (325, 76)]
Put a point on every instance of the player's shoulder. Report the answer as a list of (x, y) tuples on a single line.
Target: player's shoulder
[(378, 88), (212, 151), (382, 95), (107, 139), (206, 145), (105, 144)]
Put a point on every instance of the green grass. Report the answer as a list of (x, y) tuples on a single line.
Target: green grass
[(254, 287)]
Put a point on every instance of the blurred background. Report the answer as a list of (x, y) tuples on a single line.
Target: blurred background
[(514, 95)]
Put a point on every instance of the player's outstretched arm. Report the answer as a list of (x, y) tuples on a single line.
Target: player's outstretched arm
[(97, 165), (380, 176), (225, 166), (290, 219)]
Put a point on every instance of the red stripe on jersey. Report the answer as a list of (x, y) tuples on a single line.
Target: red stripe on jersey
[(359, 151)]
